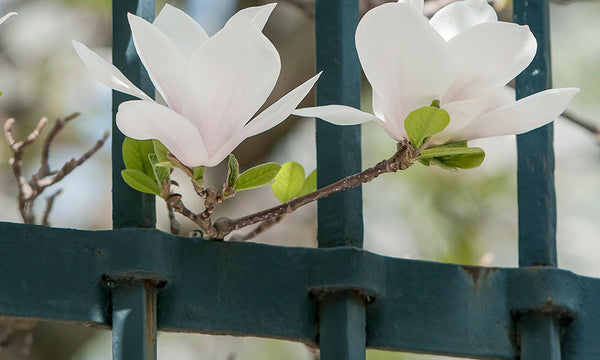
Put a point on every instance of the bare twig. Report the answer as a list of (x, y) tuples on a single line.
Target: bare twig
[(49, 204), (173, 223), (261, 228), (593, 129), (30, 189)]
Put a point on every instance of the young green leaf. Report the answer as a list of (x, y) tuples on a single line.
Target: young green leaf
[(161, 173), (424, 122), (310, 183), (140, 181), (257, 176), (135, 155), (198, 174), (289, 181), (233, 171), (161, 152), (440, 151), (466, 160)]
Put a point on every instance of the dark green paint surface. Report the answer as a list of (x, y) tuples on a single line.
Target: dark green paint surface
[(260, 290), (535, 175), (338, 147), (131, 208)]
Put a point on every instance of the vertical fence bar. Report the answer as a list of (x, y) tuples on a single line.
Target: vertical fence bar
[(539, 333), (341, 313), (131, 208), (338, 147), (134, 320), (537, 200)]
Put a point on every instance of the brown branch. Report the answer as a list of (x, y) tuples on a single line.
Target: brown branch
[(401, 160), (261, 228), (30, 189), (173, 223), (49, 204)]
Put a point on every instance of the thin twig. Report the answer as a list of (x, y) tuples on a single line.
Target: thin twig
[(261, 228), (49, 204), (593, 129), (30, 189), (173, 223), (401, 160)]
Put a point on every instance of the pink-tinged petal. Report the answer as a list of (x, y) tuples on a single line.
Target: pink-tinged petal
[(415, 4), (462, 113), (392, 124), (227, 80), (181, 28), (144, 120), (488, 56), (280, 110), (107, 73), (462, 15), (336, 114), (404, 58), (161, 58), (5, 17), (258, 15), (522, 116)]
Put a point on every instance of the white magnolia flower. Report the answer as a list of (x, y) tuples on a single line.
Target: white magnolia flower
[(5, 17), (212, 85), (463, 57)]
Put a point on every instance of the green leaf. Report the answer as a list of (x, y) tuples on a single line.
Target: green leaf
[(289, 181), (453, 156), (198, 174), (161, 152), (424, 122), (465, 161), (435, 103), (440, 151), (160, 173), (233, 171), (310, 183), (257, 176), (166, 164), (140, 181), (135, 155)]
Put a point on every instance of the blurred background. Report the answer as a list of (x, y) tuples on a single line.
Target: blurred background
[(422, 213)]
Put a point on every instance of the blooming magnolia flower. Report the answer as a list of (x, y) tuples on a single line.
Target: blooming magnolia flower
[(212, 85), (463, 57)]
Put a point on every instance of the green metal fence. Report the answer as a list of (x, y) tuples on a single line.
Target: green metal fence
[(136, 279)]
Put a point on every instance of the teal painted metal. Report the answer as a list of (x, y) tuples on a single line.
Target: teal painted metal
[(342, 311), (343, 314), (133, 318), (539, 330), (418, 306), (338, 147), (536, 194), (131, 209)]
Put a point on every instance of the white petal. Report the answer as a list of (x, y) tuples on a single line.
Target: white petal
[(228, 79), (461, 15), (258, 15), (462, 113), (144, 120), (404, 58), (415, 4), (521, 116), (181, 28), (280, 110), (107, 73), (393, 125), (5, 17), (488, 56), (161, 58), (336, 114)]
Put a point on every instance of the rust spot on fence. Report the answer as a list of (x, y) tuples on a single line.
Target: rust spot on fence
[(478, 273)]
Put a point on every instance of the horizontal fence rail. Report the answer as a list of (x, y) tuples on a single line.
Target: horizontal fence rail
[(269, 291)]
